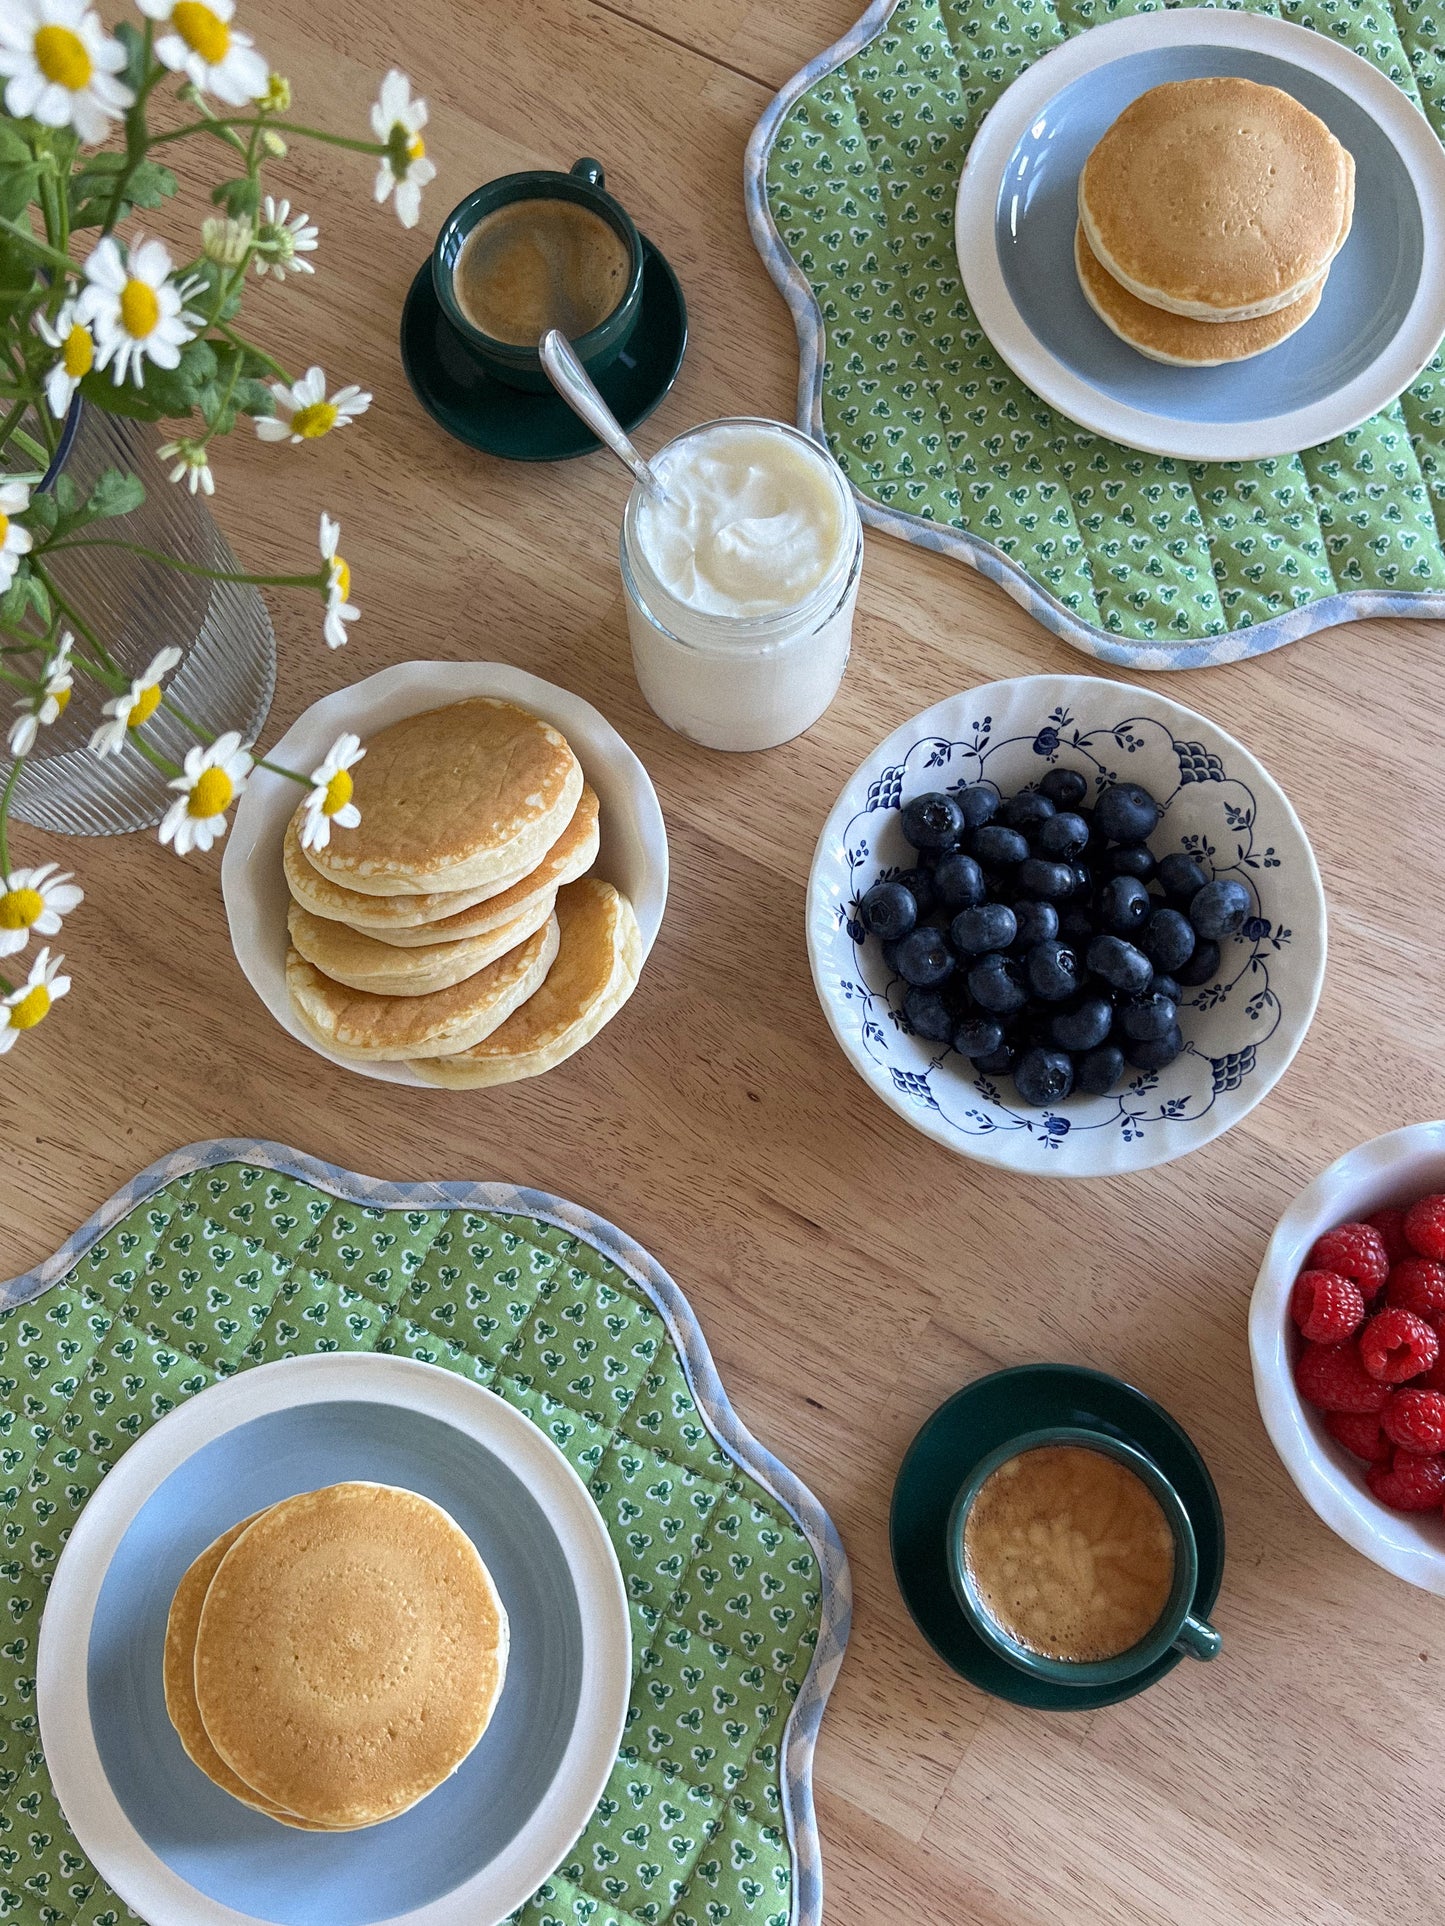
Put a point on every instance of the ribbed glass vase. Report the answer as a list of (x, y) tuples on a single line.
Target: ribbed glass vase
[(137, 607)]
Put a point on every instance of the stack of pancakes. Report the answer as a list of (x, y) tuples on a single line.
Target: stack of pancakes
[(331, 1660), (1209, 214), (456, 928)]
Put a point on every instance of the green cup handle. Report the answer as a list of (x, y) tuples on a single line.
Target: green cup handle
[(1198, 1638), (589, 171)]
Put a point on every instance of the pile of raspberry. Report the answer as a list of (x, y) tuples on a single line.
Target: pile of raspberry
[(1370, 1306)]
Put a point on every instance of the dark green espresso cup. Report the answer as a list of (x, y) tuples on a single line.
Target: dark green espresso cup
[(1176, 1625), (518, 366)]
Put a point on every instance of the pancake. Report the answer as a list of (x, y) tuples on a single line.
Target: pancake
[(390, 1029), (407, 920), (1217, 198), (358, 961), (598, 963), (350, 1654), (455, 799), (1177, 338)]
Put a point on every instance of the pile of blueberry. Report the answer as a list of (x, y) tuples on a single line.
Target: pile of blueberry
[(1040, 936)]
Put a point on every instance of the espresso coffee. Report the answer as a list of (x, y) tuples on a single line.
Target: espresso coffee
[(1069, 1553), (537, 264)]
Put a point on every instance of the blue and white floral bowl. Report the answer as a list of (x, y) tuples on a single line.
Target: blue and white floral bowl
[(1241, 1031)]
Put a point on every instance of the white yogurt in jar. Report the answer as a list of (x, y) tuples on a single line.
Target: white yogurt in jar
[(741, 585)]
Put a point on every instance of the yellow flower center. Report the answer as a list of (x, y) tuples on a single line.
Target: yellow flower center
[(211, 795), (61, 699), (21, 909), (416, 148), (78, 354), (144, 706), (340, 579), (139, 309), (32, 1008), (338, 793), (204, 32), (4, 527), (61, 57), (315, 420)]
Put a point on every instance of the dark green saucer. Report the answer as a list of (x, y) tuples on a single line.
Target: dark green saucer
[(985, 1414), (461, 397)]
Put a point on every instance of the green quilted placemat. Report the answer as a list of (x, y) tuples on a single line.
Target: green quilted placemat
[(1139, 559), (227, 1256)]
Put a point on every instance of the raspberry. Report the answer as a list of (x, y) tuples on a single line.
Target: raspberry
[(1425, 1226), (1391, 1226), (1331, 1378), (1359, 1432), (1415, 1420), (1354, 1250), (1410, 1484), (1327, 1307), (1417, 1284), (1396, 1345)]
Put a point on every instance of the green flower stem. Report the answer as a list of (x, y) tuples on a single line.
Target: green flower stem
[(208, 736), (5, 795), (231, 122), (316, 580), (240, 341), (137, 135), (12, 421), (77, 621), (42, 249), (168, 769)]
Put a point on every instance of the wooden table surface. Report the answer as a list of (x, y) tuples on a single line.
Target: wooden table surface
[(848, 1273)]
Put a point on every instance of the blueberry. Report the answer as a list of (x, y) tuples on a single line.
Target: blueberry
[(1125, 813), (1148, 1017), (959, 880), (1122, 966), (1026, 810), (978, 1036), (1124, 905), (1132, 859), (1084, 1027), (888, 911), (1166, 986), (989, 927), (1167, 940), (1181, 879), (997, 847), (890, 958), (931, 821), (1053, 971), (998, 1062), (996, 983), (921, 887), (1043, 1077), (1155, 1053), (1065, 788), (923, 958), (1099, 1070), (979, 803), (1203, 966), (929, 1015), (1062, 835), (1036, 922), (1219, 909), (1077, 926), (1046, 879)]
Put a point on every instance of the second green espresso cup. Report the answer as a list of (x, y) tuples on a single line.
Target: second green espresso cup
[(517, 364), (1176, 1625)]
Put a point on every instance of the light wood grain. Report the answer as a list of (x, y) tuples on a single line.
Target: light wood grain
[(848, 1273)]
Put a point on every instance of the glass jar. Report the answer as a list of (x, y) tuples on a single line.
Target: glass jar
[(751, 681)]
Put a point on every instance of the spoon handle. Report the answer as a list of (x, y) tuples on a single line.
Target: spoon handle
[(574, 384)]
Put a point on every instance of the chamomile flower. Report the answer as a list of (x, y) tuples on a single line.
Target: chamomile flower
[(62, 66), (397, 120), (39, 711), (225, 239), (282, 238), (135, 310), (339, 607), (192, 464), (328, 802), (30, 1004), (136, 706), (15, 541), (77, 357), (210, 781), (35, 900), (275, 98), (304, 413), (214, 56)]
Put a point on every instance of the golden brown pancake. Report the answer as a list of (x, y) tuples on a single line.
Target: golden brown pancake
[(357, 960), (1217, 198)]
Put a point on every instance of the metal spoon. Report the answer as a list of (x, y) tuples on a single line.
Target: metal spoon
[(574, 384)]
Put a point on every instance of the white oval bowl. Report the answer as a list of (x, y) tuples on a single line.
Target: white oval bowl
[(1390, 1170), (1237, 1046), (633, 852)]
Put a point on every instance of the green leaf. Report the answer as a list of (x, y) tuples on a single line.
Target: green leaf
[(150, 184), (135, 55), (137, 404), (18, 188), (253, 397), (14, 148), (66, 499), (42, 514), (115, 493), (240, 197), (25, 592), (93, 188)]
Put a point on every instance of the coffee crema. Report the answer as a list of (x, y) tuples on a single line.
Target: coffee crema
[(537, 264), (1069, 1553)]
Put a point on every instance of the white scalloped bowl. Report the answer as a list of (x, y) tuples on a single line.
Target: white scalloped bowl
[(1390, 1170), (1240, 1032)]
